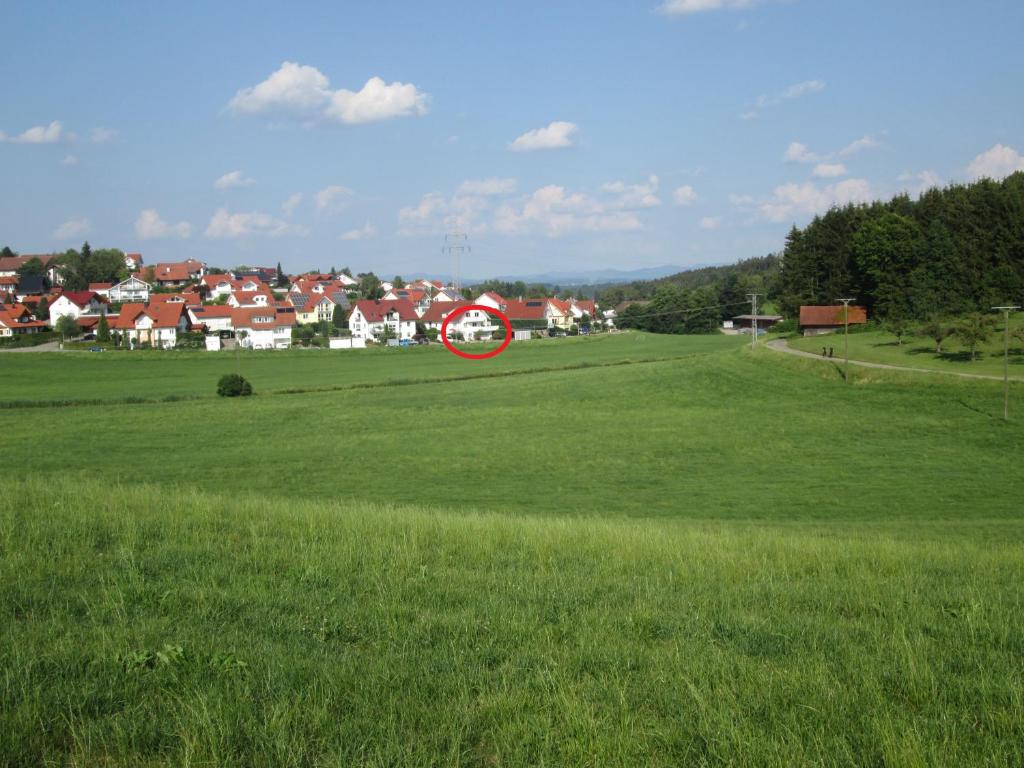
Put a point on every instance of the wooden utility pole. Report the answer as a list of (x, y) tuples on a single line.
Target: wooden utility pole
[(753, 316), (846, 339)]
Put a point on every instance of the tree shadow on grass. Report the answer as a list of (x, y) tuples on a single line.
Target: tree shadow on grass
[(960, 357)]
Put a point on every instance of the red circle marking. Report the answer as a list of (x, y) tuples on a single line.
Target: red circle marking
[(482, 355)]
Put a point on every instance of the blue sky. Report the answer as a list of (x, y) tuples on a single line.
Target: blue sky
[(560, 136)]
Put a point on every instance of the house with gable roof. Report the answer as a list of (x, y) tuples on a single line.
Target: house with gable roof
[(76, 304), (16, 319), (369, 319)]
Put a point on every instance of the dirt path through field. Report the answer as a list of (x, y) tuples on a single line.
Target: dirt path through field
[(780, 345)]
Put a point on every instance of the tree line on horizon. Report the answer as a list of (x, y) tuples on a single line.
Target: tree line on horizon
[(955, 251)]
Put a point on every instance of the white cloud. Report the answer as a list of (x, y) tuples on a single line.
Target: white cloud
[(865, 142), (289, 205), (69, 160), (487, 187), (556, 135), (741, 201), (996, 163), (304, 92), (103, 135), (377, 101), (149, 226), (72, 228), (554, 212), (634, 196), (795, 91), (802, 89), (829, 170), (687, 7), (233, 179), (800, 153), (922, 181), (684, 195), (364, 232), (40, 134), (234, 225), (791, 200), (436, 213), (332, 199), (711, 222)]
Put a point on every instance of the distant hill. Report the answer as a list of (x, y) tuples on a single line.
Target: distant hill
[(570, 277)]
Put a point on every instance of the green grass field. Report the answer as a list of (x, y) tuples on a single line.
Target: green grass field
[(918, 352), (629, 550)]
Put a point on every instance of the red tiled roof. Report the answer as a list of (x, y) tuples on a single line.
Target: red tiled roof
[(495, 296), (9, 263), (437, 311), (100, 286), (831, 315), (528, 309), (374, 311), (129, 312), (11, 314), (81, 298), (246, 317)]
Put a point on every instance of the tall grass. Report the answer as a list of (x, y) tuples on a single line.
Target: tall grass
[(149, 628)]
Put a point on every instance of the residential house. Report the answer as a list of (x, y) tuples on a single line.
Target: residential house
[(169, 274), (9, 266), (317, 308), (213, 318), (419, 298), (260, 298), (263, 327), (558, 313), (102, 289), (132, 290), (472, 325), (217, 286), (369, 319), (817, 320), (75, 304), (448, 294), (156, 324), (133, 260), (16, 319)]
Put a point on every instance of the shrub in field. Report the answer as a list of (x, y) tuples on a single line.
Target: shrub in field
[(233, 385)]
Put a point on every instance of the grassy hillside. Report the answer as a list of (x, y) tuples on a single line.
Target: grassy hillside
[(616, 551), (917, 352), (116, 375), (716, 434), (146, 628)]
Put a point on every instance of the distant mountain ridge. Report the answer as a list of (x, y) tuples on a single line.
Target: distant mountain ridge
[(580, 277)]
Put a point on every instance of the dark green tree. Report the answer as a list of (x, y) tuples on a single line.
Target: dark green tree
[(103, 329), (43, 309)]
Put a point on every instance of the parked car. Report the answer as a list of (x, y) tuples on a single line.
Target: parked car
[(405, 343), (89, 337), (555, 332), (95, 349)]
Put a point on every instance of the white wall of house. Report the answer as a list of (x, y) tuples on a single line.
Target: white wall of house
[(130, 290), (63, 306), (268, 338)]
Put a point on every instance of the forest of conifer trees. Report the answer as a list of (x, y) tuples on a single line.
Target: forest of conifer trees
[(954, 250)]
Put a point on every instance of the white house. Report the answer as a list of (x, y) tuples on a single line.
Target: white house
[(370, 320), (131, 290), (213, 317), (250, 299), (263, 328), (76, 304), (473, 324), (158, 324)]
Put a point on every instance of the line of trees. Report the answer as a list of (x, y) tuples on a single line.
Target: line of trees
[(953, 251)]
